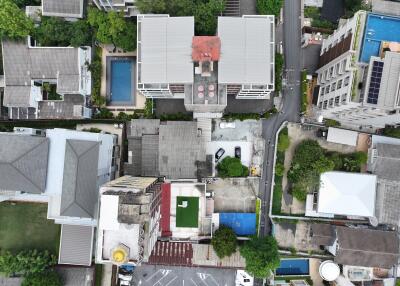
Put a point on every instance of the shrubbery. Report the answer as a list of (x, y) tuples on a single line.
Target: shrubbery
[(224, 241), (269, 7), (47, 278), (232, 167)]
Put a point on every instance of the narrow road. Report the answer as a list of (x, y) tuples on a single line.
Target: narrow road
[(291, 103)]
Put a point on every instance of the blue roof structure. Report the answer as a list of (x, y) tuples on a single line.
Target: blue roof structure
[(241, 223)]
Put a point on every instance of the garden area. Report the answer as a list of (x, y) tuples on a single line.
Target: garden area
[(301, 158), (232, 167), (316, 20)]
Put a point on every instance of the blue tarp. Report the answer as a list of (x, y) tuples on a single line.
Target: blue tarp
[(241, 223)]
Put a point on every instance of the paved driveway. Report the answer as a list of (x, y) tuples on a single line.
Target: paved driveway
[(152, 275)]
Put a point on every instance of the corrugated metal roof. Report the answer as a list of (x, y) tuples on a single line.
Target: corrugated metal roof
[(166, 47), (246, 50), (76, 245), (63, 8)]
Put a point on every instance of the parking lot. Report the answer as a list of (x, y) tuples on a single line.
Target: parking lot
[(158, 275), (246, 149)]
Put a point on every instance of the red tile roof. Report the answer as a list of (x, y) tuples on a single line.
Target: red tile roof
[(206, 48), (172, 253), (165, 209)]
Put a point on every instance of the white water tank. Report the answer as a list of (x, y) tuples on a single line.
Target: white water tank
[(329, 270)]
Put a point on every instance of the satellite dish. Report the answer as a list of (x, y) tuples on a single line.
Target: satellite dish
[(329, 271)]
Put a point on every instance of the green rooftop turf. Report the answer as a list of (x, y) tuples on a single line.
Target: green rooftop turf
[(25, 226), (189, 216)]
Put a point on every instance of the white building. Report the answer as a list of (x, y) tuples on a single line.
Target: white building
[(129, 220), (126, 6), (173, 63), (358, 82)]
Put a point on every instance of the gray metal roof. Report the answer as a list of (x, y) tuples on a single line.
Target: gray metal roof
[(386, 7), (387, 162), (166, 49), (22, 64), (79, 190), (150, 145), (387, 202), (181, 147), (23, 163), (76, 245), (323, 234), (367, 247), (63, 8), (138, 127), (247, 50)]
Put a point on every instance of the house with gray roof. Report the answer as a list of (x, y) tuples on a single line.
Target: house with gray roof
[(63, 8), (175, 149), (46, 82), (384, 161)]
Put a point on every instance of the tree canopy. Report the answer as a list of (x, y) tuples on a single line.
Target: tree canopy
[(14, 24), (261, 254), (47, 278), (224, 241), (112, 28), (269, 7), (232, 167), (205, 11)]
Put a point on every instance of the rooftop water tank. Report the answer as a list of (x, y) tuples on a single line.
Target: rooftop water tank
[(329, 270)]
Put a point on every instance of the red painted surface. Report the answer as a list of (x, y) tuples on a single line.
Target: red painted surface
[(165, 209), (205, 48), (172, 253)]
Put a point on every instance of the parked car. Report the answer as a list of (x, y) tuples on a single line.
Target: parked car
[(219, 154), (224, 125), (238, 152)]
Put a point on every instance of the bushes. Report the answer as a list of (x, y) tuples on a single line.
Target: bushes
[(392, 132), (148, 109), (48, 278), (232, 167), (324, 24), (262, 256), (224, 241), (103, 113), (242, 116), (95, 68), (14, 24), (331, 123), (26, 262), (269, 7), (278, 71), (283, 140), (176, 117), (311, 12), (303, 102)]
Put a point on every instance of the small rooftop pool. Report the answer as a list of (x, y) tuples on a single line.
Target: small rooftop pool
[(121, 81), (293, 267), (378, 28)]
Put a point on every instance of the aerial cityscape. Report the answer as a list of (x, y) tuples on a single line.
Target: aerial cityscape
[(200, 142)]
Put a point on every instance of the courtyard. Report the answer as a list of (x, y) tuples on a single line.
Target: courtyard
[(25, 226)]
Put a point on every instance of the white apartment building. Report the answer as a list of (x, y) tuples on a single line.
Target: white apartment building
[(126, 6), (359, 72)]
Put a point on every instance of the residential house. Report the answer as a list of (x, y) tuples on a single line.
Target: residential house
[(360, 246), (384, 162), (63, 168), (129, 221), (335, 199), (61, 8), (173, 63), (46, 82), (155, 149), (358, 75)]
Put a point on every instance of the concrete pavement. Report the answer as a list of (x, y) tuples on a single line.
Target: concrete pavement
[(291, 102)]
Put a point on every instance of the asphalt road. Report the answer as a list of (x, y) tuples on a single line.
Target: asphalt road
[(291, 102)]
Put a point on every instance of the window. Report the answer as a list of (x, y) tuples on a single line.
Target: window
[(330, 72), (333, 86), (322, 91), (344, 96), (344, 62), (331, 102), (327, 89), (325, 104), (337, 68), (320, 104), (326, 75), (339, 85), (337, 99), (346, 81)]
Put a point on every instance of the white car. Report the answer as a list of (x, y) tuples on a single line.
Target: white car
[(224, 125)]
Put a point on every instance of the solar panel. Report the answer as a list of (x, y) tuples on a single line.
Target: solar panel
[(375, 82)]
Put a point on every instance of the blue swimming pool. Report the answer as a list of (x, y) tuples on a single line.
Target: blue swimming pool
[(297, 266), (121, 81), (378, 28)]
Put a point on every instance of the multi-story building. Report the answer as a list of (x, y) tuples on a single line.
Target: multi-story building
[(129, 222), (359, 70), (204, 71), (126, 6), (46, 82)]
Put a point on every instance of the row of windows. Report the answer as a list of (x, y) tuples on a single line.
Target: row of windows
[(331, 101), (336, 41), (335, 85), (340, 67)]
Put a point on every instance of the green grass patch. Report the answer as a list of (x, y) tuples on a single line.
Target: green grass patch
[(187, 216), (258, 212), (303, 102), (277, 199), (98, 274), (25, 226)]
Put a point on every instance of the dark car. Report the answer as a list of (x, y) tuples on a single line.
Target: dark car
[(238, 152), (219, 154)]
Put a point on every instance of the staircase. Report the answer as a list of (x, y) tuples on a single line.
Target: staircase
[(232, 8)]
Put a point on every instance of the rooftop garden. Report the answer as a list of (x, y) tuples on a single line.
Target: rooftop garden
[(187, 211), (232, 167)]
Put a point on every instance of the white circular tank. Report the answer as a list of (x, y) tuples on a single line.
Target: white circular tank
[(329, 270)]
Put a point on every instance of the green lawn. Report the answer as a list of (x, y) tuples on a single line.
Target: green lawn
[(25, 226), (189, 216)]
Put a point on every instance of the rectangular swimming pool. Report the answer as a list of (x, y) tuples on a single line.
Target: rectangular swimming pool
[(121, 81), (378, 28), (295, 266)]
